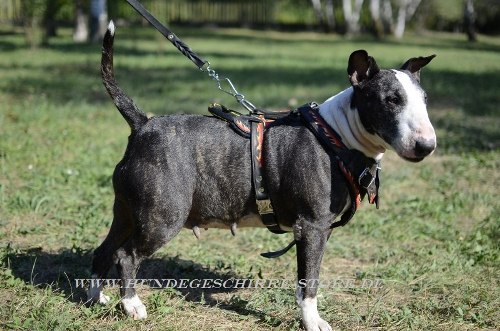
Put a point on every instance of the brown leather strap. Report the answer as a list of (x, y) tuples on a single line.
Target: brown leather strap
[(366, 182), (262, 200)]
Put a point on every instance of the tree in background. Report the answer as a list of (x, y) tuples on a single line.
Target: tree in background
[(97, 10), (39, 20), (487, 16), (81, 33), (327, 21), (49, 19), (330, 15), (470, 20), (388, 17), (376, 13), (98, 19), (406, 10), (385, 22), (318, 11), (30, 20), (352, 15)]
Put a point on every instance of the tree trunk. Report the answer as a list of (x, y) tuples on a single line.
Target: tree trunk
[(399, 29), (470, 20), (98, 19), (49, 21), (81, 33), (387, 20), (317, 11), (378, 27), (411, 7), (407, 9), (352, 16), (330, 15), (32, 14)]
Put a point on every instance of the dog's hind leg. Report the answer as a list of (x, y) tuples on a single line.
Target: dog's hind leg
[(121, 229), (148, 238), (128, 260)]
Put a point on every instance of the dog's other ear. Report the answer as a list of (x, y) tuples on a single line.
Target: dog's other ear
[(361, 67), (414, 65)]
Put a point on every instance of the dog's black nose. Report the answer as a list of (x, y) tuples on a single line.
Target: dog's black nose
[(424, 147)]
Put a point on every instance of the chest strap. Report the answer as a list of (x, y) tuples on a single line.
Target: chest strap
[(264, 205), (253, 127), (361, 172)]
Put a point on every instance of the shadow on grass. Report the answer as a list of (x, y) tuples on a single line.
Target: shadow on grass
[(6, 46), (165, 50), (59, 271)]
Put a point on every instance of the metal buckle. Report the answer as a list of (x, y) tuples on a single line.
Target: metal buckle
[(363, 174), (264, 206)]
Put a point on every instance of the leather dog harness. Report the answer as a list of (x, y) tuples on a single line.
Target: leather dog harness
[(360, 172)]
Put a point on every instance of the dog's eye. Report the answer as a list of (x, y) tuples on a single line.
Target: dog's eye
[(425, 97), (392, 99)]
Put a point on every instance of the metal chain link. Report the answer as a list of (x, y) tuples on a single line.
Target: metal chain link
[(240, 98)]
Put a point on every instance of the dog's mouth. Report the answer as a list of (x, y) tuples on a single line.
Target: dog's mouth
[(413, 159), (415, 154)]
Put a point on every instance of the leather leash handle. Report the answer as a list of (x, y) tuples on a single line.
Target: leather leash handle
[(179, 44)]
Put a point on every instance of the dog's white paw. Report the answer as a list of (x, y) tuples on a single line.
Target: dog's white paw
[(323, 325), (103, 299), (95, 295), (134, 308), (316, 325), (310, 316)]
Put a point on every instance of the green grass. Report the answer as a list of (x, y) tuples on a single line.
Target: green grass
[(434, 242)]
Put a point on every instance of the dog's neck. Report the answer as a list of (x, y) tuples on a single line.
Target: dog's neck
[(337, 112)]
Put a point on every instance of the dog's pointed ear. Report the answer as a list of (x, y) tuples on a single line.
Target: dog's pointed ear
[(361, 67), (414, 65)]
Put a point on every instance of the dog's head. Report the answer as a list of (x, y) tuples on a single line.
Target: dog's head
[(392, 105)]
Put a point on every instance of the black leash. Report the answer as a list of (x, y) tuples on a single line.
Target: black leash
[(179, 44), (202, 64)]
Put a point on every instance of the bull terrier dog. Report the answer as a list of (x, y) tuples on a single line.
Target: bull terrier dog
[(191, 171)]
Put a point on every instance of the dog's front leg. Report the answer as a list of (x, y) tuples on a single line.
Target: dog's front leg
[(311, 241)]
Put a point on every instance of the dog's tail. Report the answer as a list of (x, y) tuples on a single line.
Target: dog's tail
[(133, 115)]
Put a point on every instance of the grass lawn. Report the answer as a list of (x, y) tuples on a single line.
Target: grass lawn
[(434, 242)]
